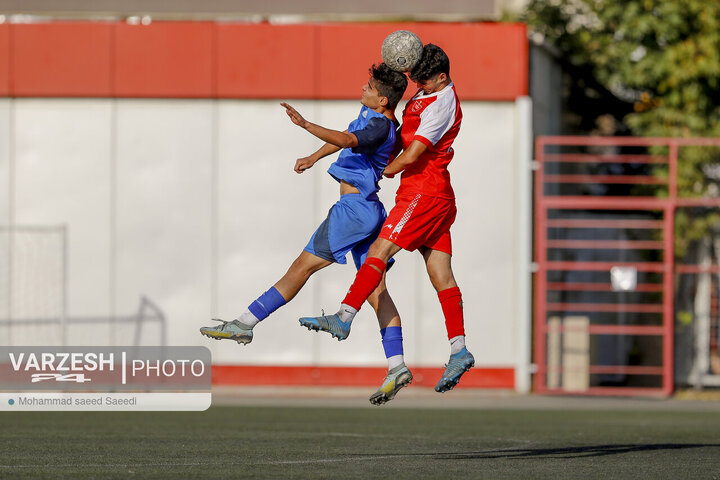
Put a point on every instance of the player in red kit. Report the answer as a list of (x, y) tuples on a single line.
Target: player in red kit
[(423, 213)]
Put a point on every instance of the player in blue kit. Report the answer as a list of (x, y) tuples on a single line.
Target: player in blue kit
[(352, 224)]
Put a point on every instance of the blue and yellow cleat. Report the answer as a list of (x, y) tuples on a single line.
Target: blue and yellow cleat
[(328, 323), (396, 379), (459, 363), (234, 330)]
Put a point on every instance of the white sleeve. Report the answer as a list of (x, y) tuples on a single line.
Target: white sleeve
[(437, 119)]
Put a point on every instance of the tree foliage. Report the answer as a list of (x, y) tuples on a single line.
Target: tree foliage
[(664, 57)]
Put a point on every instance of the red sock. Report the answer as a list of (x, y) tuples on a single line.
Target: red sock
[(366, 281), (451, 302)]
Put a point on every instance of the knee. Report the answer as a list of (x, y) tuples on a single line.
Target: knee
[(442, 280), (381, 249)]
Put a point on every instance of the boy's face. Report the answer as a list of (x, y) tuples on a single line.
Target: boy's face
[(433, 84), (371, 98)]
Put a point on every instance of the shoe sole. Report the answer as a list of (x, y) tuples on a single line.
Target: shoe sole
[(450, 383), (238, 338), (379, 398), (310, 326)]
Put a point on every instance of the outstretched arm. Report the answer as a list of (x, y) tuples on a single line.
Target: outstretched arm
[(407, 157), (302, 164), (334, 137)]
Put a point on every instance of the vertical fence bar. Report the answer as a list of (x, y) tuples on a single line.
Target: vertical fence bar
[(669, 274), (541, 273), (668, 297)]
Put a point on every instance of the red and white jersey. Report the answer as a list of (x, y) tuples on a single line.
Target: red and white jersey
[(435, 121)]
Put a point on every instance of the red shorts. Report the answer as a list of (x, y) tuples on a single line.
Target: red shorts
[(420, 221)]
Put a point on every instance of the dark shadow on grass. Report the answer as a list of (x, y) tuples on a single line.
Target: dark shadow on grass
[(563, 452), (576, 452)]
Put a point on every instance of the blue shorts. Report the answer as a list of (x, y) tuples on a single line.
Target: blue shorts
[(352, 225)]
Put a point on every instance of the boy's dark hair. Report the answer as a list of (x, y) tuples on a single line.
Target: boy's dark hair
[(389, 83), (433, 61)]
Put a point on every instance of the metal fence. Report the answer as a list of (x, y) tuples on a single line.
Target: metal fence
[(609, 293)]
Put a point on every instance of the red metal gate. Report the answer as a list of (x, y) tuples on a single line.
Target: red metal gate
[(604, 249)]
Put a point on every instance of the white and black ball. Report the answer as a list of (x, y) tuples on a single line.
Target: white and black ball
[(401, 50)]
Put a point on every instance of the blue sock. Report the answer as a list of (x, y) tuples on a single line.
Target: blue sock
[(267, 303), (392, 341)]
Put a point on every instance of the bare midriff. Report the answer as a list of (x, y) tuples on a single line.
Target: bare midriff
[(347, 188)]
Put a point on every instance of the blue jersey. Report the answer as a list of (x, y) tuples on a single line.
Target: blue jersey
[(362, 166)]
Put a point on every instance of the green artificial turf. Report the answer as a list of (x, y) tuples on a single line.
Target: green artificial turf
[(300, 443)]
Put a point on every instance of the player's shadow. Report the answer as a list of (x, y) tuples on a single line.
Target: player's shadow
[(570, 452)]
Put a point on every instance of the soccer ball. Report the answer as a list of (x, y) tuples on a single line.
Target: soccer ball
[(401, 50)]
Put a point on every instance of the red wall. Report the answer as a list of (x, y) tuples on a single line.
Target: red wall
[(71, 58), (234, 60), (4, 60), (478, 377)]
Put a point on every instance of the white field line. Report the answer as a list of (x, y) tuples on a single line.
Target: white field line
[(206, 464), (276, 462)]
